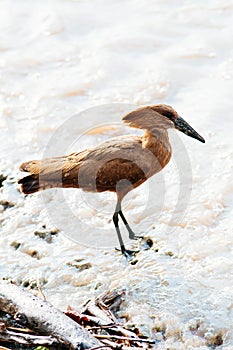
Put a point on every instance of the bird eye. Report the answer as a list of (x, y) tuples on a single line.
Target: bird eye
[(169, 115)]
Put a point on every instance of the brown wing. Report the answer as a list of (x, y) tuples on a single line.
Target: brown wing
[(116, 165), (117, 162), (119, 175), (50, 172), (52, 166)]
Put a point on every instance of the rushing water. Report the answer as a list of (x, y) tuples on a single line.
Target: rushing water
[(67, 67)]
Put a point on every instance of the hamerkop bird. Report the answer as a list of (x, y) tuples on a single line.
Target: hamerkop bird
[(117, 165)]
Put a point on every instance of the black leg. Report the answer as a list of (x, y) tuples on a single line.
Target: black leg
[(131, 233), (128, 253), (116, 220)]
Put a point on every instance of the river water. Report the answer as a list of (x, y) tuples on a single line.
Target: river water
[(69, 71)]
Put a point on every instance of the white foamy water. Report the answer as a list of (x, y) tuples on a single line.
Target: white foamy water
[(64, 58)]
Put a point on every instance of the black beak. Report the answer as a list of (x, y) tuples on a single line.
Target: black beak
[(183, 126)]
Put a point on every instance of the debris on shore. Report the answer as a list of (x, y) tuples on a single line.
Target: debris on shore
[(28, 321)]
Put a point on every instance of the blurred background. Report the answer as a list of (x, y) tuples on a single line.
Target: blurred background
[(61, 62)]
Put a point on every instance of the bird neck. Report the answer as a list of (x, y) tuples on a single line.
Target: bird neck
[(157, 136), (158, 143)]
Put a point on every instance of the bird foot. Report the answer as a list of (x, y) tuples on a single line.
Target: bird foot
[(133, 236), (129, 254)]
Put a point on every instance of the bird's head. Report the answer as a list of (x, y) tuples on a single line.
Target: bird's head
[(179, 123), (160, 116)]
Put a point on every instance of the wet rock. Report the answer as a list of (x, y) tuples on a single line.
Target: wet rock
[(133, 262), (31, 252), (217, 340), (15, 245), (98, 285), (35, 254), (169, 254), (147, 243), (80, 264), (32, 283), (2, 178), (214, 339), (46, 235), (194, 326), (6, 204)]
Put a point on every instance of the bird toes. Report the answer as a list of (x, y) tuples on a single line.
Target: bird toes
[(134, 236), (130, 254)]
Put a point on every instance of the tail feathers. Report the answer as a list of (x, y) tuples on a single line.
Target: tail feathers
[(30, 184), (31, 166), (44, 175), (34, 183), (48, 173)]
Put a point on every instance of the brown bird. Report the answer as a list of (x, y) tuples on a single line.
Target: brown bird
[(117, 165)]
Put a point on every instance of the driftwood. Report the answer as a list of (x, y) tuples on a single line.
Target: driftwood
[(12, 334), (42, 317), (66, 331), (98, 317)]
